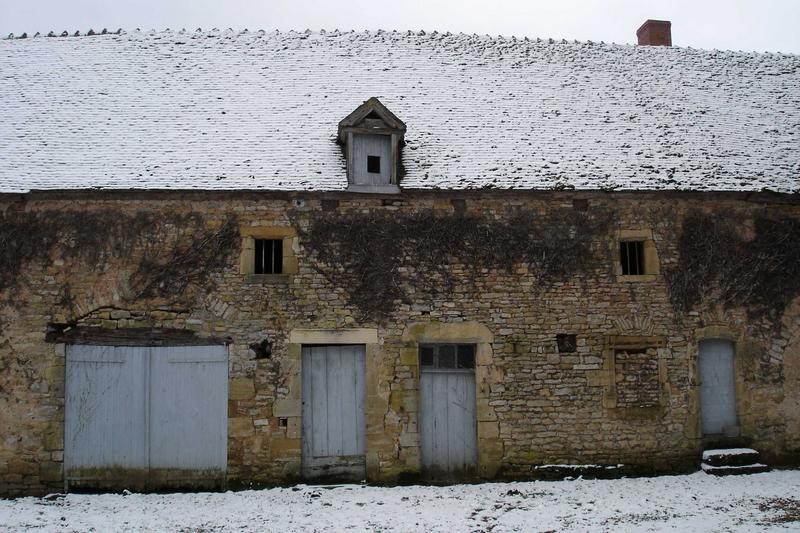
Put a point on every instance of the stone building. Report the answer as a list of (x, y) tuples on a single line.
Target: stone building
[(243, 258)]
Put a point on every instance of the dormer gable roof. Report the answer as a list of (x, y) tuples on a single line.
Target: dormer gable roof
[(372, 115)]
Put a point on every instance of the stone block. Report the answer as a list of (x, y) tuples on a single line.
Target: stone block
[(240, 427), (287, 407), (282, 447), (53, 439), (488, 430), (241, 388), (50, 471)]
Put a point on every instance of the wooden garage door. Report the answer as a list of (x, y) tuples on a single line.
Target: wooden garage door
[(146, 418), (333, 412)]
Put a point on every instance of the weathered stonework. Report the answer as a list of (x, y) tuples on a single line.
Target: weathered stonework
[(535, 405)]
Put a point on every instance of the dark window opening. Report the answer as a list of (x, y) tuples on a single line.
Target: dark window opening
[(466, 356), (566, 343), (631, 255), (426, 356), (269, 256), (374, 164), (447, 356)]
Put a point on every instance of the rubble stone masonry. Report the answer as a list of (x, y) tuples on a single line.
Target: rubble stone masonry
[(627, 394)]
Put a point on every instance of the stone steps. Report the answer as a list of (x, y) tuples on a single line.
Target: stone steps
[(731, 461)]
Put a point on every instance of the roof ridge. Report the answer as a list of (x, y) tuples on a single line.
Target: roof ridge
[(215, 32)]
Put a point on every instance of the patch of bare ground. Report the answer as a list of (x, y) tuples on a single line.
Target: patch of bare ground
[(780, 510)]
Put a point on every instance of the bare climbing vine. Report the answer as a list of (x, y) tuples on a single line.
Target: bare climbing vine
[(380, 257), (761, 274), (169, 252)]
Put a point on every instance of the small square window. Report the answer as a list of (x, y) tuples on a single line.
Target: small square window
[(631, 256), (374, 164), (268, 256)]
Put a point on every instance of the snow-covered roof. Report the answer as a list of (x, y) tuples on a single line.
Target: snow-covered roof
[(253, 110)]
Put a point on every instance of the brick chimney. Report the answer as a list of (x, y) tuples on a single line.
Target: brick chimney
[(655, 33)]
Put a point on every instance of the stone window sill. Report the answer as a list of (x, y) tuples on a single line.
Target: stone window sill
[(374, 189), (267, 279), (643, 278)]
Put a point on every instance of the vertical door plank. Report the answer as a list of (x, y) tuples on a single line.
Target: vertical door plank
[(456, 411), (319, 398), (335, 393), (307, 413), (426, 418), (441, 420), (348, 413)]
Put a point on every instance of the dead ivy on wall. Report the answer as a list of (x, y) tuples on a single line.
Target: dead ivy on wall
[(380, 257), (761, 274), (168, 270), (169, 252)]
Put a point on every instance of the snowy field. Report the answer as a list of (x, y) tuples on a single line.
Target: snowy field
[(697, 502)]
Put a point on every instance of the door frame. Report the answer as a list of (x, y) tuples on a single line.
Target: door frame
[(490, 447), (290, 406), (435, 474)]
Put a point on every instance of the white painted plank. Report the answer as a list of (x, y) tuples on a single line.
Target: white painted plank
[(441, 430), (307, 412), (349, 400), (319, 401), (334, 403)]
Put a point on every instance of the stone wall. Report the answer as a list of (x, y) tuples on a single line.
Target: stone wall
[(628, 393)]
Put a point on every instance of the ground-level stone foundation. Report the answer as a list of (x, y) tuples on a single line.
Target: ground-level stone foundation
[(622, 390)]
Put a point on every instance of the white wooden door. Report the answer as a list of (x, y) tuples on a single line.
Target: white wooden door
[(333, 435), (448, 421), (189, 411), (146, 418), (717, 387)]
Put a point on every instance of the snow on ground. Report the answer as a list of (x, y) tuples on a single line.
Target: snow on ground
[(697, 502)]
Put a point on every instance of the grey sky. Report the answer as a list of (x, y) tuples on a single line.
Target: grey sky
[(761, 25)]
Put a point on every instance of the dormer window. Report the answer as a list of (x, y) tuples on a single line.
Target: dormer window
[(372, 137)]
